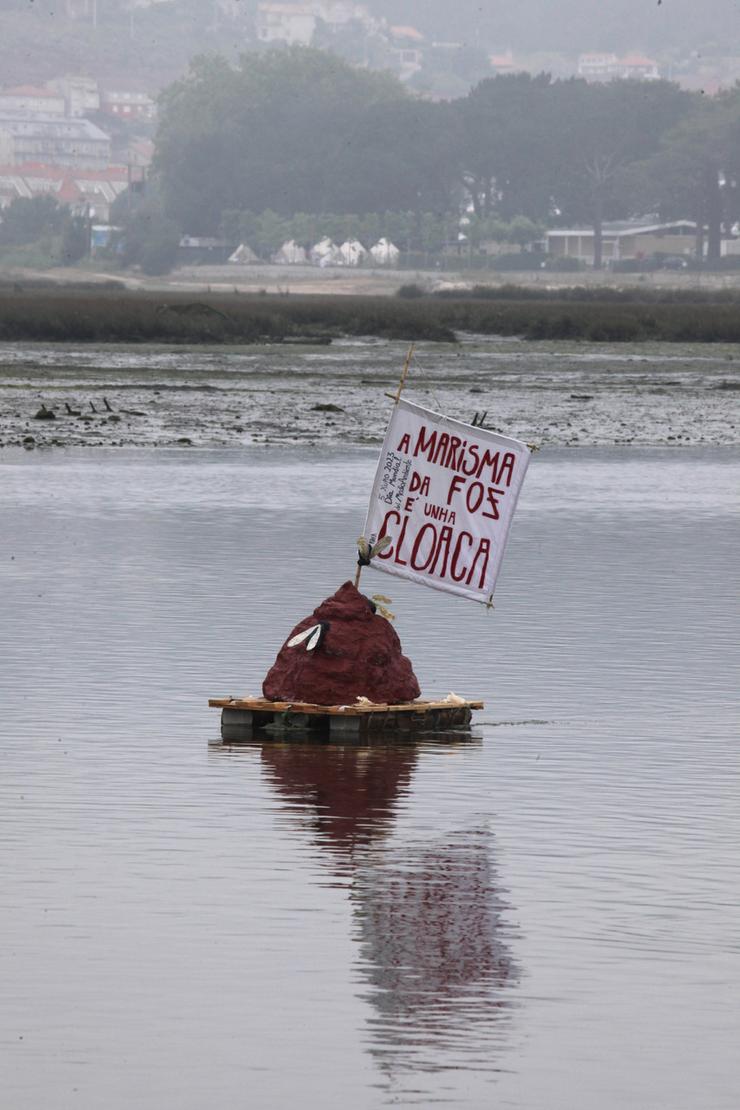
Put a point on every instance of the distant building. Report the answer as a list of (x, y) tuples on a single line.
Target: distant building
[(291, 254), (87, 192), (504, 63), (352, 253), (53, 140), (243, 255), (385, 253), (639, 68), (132, 104), (407, 50), (35, 101), (197, 250), (81, 94), (288, 23), (597, 67), (608, 67), (296, 23), (324, 253), (624, 239)]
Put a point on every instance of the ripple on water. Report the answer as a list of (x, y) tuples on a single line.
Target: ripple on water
[(543, 914)]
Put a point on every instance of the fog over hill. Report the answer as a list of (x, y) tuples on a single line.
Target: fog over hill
[(572, 26), (151, 41)]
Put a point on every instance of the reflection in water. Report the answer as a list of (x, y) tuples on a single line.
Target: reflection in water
[(350, 791), (434, 952), (428, 914)]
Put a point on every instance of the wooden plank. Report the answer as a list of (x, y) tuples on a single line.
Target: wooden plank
[(309, 708)]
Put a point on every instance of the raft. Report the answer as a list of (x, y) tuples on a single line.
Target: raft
[(247, 718)]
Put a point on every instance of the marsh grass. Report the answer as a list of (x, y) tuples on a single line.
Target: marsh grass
[(109, 315)]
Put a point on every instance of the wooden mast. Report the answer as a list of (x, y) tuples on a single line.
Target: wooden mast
[(395, 397)]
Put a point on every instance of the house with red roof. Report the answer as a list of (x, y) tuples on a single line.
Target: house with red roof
[(128, 103), (407, 49), (86, 192), (609, 67)]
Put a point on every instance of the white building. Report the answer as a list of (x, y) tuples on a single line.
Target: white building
[(352, 252), (130, 104), (608, 67), (385, 253), (623, 239), (325, 252), (52, 140), (296, 23), (289, 23), (290, 254), (32, 100), (81, 94), (407, 50), (243, 255)]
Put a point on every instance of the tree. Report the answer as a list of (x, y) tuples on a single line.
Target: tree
[(401, 155), (149, 237), (159, 251), (695, 172), (602, 130), (271, 231), (27, 219), (233, 137), (509, 147), (523, 232), (75, 240)]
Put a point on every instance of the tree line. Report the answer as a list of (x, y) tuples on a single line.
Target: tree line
[(295, 143), (299, 131)]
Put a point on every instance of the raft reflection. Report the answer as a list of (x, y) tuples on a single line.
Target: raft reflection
[(350, 790), (433, 955)]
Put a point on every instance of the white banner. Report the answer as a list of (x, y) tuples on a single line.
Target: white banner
[(445, 493)]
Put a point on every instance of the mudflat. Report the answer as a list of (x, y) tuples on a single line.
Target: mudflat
[(556, 393)]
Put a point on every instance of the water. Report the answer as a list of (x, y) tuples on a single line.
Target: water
[(545, 914)]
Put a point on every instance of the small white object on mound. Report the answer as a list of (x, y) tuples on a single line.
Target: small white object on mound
[(454, 699)]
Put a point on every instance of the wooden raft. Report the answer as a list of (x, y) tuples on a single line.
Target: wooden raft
[(242, 718)]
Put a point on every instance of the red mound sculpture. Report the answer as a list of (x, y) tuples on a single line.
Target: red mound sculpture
[(359, 656)]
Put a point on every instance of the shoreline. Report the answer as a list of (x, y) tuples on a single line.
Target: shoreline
[(364, 281)]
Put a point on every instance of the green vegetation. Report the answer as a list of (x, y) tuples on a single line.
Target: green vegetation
[(519, 152), (295, 143), (410, 231), (39, 233), (298, 130), (110, 316)]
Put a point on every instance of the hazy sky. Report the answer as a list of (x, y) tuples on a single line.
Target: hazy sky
[(38, 42)]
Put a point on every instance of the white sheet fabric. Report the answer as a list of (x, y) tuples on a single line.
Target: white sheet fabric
[(445, 492)]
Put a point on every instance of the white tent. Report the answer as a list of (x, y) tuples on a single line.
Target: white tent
[(243, 255), (290, 254), (325, 252), (352, 252), (385, 253)]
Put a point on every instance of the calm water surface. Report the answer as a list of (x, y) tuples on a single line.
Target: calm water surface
[(546, 914)]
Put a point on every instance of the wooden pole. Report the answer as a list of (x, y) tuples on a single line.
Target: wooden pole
[(395, 397)]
